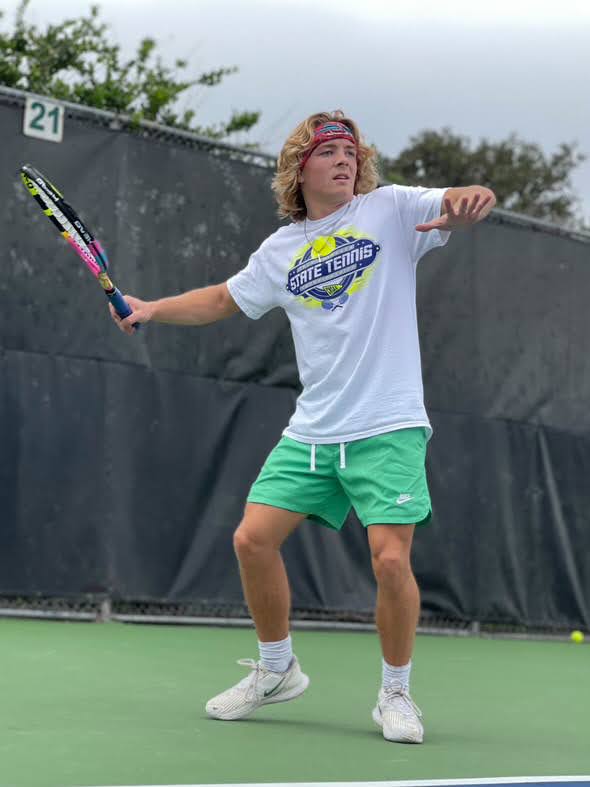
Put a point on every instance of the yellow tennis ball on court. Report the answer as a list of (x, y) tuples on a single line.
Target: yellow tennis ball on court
[(577, 636)]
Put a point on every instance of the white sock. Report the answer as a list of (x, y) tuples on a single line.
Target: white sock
[(396, 675), (276, 656)]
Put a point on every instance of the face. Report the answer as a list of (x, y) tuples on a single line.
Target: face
[(330, 172)]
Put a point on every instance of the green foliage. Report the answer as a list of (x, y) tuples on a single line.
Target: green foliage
[(522, 177), (77, 61)]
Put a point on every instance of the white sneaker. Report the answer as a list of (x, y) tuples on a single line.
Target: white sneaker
[(260, 687), (398, 715)]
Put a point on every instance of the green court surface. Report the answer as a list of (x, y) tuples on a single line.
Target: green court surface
[(115, 704)]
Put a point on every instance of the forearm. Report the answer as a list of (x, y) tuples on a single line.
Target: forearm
[(195, 307)]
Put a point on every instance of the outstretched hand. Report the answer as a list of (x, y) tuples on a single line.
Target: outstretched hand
[(466, 212)]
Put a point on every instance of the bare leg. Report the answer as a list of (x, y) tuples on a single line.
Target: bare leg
[(398, 597), (257, 542)]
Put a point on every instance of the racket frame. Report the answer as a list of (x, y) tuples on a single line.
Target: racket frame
[(76, 233)]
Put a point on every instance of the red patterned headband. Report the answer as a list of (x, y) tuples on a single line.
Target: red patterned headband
[(326, 133)]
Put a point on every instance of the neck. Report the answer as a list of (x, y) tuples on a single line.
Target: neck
[(319, 210)]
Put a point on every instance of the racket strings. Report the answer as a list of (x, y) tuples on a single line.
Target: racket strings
[(73, 236)]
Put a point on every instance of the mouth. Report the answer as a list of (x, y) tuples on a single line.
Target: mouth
[(341, 177)]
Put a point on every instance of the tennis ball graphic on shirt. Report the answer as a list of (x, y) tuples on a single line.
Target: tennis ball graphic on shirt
[(323, 246)]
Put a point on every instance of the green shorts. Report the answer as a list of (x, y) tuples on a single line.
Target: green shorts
[(382, 477)]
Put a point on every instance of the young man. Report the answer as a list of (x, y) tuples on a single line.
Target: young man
[(344, 271)]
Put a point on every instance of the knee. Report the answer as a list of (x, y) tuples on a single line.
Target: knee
[(247, 542), (391, 568)]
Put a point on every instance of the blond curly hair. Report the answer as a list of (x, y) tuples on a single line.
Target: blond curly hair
[(285, 184)]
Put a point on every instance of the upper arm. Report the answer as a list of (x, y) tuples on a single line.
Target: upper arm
[(419, 205), (227, 304), (252, 290)]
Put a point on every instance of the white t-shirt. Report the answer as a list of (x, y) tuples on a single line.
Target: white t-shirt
[(347, 283)]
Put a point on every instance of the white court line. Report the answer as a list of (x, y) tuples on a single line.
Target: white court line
[(580, 780)]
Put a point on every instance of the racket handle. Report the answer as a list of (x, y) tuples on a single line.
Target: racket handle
[(120, 305)]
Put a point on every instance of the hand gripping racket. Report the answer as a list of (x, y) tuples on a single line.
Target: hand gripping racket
[(77, 234)]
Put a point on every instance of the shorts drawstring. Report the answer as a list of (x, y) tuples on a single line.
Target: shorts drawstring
[(313, 455)]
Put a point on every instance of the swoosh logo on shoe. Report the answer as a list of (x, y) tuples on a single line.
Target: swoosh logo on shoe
[(274, 690)]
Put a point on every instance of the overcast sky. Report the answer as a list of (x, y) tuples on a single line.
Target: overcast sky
[(485, 69)]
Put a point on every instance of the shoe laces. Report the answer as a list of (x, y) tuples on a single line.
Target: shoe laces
[(250, 682), (399, 696)]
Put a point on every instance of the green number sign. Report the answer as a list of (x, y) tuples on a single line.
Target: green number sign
[(43, 119)]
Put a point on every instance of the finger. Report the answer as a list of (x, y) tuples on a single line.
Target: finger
[(129, 322), (432, 225), (114, 314), (128, 328), (473, 204), (462, 206), (483, 203)]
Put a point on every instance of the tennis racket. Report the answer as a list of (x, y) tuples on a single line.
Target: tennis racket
[(77, 234)]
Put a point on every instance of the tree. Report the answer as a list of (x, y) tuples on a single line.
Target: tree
[(522, 177), (77, 61)]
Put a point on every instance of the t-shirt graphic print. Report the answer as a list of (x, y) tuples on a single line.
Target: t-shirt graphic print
[(326, 272)]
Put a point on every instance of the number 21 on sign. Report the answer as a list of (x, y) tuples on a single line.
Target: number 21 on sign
[(43, 119)]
